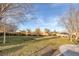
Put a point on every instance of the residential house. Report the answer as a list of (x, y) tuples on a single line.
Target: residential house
[(63, 34)]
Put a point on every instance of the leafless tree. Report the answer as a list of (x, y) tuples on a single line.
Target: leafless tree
[(29, 32), (47, 31), (15, 12), (70, 22), (38, 31)]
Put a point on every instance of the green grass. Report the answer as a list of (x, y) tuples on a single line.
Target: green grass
[(13, 40), (8, 52), (30, 45)]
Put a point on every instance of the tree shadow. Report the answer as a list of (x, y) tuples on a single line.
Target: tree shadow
[(70, 53)]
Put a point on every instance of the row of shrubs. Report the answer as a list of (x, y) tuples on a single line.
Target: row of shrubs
[(20, 34), (12, 34)]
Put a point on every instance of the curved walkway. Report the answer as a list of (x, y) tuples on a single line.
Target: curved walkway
[(10, 46), (69, 50)]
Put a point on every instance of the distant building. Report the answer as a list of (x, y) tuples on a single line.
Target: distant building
[(45, 33), (63, 34), (34, 33)]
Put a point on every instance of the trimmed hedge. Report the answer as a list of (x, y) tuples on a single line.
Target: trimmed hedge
[(13, 34)]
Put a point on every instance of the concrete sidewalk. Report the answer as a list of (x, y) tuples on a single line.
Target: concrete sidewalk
[(69, 50)]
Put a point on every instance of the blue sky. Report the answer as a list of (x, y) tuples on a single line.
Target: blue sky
[(47, 16)]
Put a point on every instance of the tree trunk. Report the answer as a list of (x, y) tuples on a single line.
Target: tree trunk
[(4, 39), (76, 37), (71, 38)]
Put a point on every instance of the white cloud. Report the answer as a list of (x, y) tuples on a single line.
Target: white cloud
[(56, 5), (51, 23)]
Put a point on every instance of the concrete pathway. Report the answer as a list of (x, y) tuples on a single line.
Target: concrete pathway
[(10, 46), (69, 50)]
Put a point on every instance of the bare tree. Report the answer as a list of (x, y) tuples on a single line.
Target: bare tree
[(15, 12), (29, 32), (38, 31), (3, 9), (70, 21), (47, 31)]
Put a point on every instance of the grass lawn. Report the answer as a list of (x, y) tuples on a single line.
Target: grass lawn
[(23, 45), (13, 40)]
